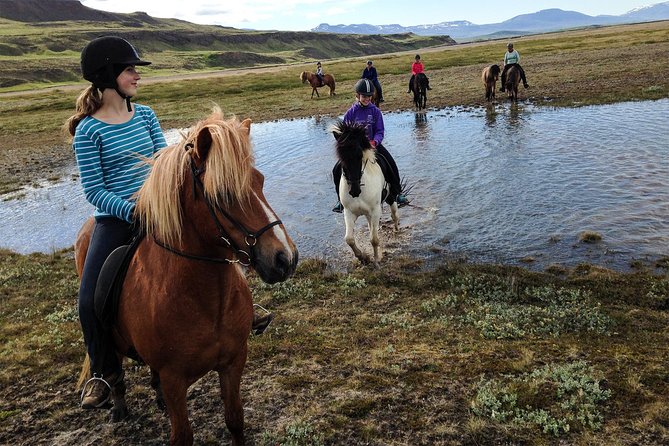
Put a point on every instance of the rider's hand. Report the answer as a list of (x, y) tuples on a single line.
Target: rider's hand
[(372, 143)]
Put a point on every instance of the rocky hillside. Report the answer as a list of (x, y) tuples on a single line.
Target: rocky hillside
[(44, 39)]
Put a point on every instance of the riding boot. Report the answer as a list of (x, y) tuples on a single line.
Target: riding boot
[(501, 87)]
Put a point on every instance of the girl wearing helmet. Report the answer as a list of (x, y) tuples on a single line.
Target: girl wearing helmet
[(363, 111), (417, 67), (110, 138)]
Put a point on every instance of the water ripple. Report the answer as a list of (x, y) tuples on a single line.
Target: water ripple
[(502, 183)]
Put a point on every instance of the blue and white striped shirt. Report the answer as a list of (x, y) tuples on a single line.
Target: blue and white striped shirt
[(111, 159)]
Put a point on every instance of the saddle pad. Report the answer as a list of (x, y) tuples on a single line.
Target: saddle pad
[(110, 281)]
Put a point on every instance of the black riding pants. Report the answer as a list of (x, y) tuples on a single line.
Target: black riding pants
[(506, 68), (108, 234), (377, 85), (392, 178)]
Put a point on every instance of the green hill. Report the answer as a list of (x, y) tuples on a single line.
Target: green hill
[(40, 42)]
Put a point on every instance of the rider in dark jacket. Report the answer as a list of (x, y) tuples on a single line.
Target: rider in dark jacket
[(370, 73)]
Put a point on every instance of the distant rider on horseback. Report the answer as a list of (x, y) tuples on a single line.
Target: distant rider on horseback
[(416, 68), (511, 58), (319, 73), (370, 73)]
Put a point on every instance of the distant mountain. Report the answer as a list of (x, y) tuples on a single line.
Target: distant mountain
[(541, 21)]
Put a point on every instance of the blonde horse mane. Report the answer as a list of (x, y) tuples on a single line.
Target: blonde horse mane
[(228, 168)]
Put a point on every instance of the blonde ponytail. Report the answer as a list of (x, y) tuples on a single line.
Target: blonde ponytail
[(88, 102)]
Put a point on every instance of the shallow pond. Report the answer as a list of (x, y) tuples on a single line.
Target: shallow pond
[(511, 184)]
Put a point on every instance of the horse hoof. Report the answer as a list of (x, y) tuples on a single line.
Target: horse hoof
[(118, 415)]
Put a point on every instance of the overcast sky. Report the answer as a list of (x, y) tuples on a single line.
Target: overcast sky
[(303, 15)]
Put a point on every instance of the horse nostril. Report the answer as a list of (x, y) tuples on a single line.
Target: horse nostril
[(283, 263)]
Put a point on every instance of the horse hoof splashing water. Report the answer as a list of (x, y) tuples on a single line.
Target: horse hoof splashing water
[(185, 308), (362, 187)]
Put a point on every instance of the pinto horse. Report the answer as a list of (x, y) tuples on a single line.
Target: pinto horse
[(489, 77), (362, 187), (512, 81), (316, 83), (419, 88), (185, 307)]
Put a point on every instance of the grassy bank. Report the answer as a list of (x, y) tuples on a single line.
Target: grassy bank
[(461, 355), (564, 69)]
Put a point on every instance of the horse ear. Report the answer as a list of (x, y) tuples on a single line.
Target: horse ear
[(203, 145), (336, 134), (246, 123)]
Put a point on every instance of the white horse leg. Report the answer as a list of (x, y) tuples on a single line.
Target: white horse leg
[(373, 223), (350, 219), (395, 216)]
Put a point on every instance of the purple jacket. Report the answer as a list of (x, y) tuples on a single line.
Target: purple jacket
[(370, 116)]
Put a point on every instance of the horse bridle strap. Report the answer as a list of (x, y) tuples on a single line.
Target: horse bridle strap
[(196, 257), (250, 238)]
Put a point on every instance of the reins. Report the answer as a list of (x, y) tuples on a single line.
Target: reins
[(241, 256)]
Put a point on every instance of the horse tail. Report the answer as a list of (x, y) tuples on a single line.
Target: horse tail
[(85, 373), (332, 85)]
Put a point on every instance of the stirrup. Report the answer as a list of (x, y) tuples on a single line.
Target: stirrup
[(89, 382), (261, 328)]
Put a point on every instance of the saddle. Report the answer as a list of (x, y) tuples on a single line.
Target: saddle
[(110, 281), (387, 173)]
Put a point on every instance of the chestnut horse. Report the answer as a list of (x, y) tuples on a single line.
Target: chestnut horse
[(512, 81), (362, 187), (315, 82), (185, 307), (489, 77)]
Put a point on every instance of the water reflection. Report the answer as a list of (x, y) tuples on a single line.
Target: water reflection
[(501, 183)]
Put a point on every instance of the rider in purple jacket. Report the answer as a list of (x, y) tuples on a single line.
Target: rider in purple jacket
[(364, 112)]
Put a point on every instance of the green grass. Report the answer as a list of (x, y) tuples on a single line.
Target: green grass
[(389, 356)]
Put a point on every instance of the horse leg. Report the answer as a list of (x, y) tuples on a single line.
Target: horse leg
[(349, 219), (155, 385), (174, 390), (395, 216), (234, 411), (313, 90), (373, 224), (119, 411)]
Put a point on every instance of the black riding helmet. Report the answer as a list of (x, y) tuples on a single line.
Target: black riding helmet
[(364, 87), (104, 58), (417, 56)]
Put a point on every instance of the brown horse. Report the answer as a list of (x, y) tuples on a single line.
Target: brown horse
[(316, 83), (185, 307), (489, 77), (512, 81)]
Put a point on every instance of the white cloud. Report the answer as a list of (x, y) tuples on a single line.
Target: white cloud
[(287, 14)]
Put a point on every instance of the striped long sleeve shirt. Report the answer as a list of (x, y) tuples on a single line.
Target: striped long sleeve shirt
[(111, 160)]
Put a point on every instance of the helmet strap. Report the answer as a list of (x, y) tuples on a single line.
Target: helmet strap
[(127, 99)]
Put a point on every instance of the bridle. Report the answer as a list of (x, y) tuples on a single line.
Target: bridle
[(241, 256)]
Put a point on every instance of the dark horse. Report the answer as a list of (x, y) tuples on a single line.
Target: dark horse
[(316, 83), (419, 88), (512, 81), (489, 77), (185, 307)]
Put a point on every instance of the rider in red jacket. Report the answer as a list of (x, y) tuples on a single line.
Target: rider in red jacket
[(416, 68)]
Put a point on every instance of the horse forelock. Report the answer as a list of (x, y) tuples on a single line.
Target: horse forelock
[(226, 180)]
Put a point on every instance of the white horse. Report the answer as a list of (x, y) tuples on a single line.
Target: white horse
[(362, 187)]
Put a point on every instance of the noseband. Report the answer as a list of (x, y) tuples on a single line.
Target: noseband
[(241, 256)]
